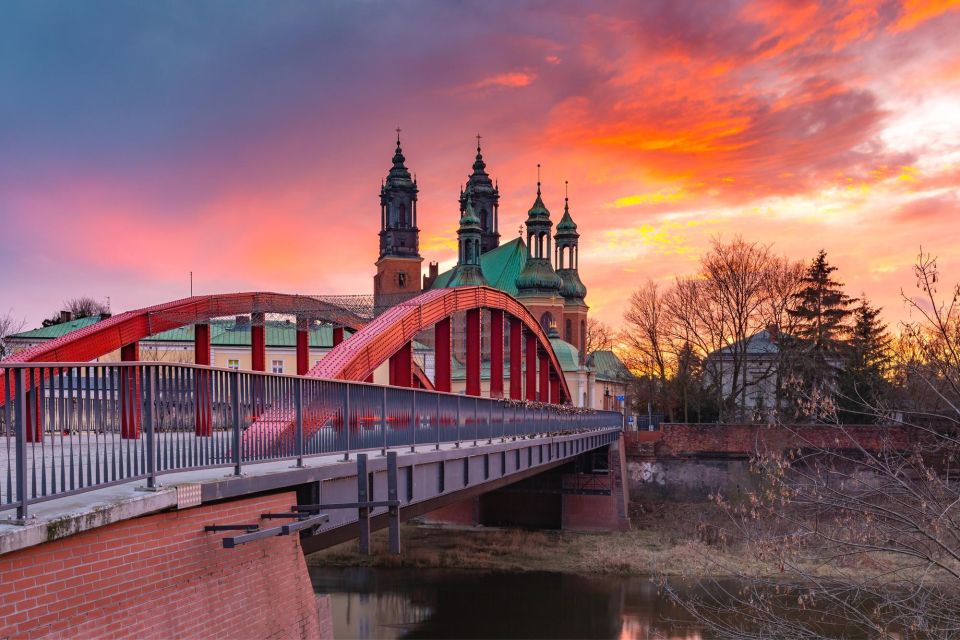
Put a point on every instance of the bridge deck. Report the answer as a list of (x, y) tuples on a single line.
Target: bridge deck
[(429, 471)]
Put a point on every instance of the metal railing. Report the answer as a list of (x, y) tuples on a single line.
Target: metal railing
[(73, 427)]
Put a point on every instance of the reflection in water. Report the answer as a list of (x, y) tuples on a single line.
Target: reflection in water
[(393, 603)]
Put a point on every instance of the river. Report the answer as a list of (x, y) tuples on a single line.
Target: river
[(403, 603)]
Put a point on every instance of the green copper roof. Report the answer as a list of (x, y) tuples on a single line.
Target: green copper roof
[(566, 226), (538, 277), (55, 331), (223, 333), (567, 354), (608, 366), (500, 267)]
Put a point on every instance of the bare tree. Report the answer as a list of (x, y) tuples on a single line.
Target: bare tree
[(865, 536), (9, 325), (599, 337), (79, 307)]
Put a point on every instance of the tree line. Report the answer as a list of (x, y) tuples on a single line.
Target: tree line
[(754, 336)]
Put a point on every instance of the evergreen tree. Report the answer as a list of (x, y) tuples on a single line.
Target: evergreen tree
[(863, 383), (817, 344)]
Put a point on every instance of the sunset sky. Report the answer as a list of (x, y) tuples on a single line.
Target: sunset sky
[(246, 141)]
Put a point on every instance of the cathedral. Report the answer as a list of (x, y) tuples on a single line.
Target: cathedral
[(542, 272)]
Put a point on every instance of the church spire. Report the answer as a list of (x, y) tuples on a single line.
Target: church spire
[(537, 277), (486, 201), (568, 256), (399, 235), (468, 273)]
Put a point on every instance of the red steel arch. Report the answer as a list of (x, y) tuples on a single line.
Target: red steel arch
[(110, 334), (125, 328), (374, 344)]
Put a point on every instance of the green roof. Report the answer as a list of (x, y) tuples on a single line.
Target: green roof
[(500, 267), (567, 354), (56, 330), (608, 366), (223, 333)]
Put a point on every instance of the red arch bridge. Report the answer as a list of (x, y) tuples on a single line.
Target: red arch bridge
[(105, 446)]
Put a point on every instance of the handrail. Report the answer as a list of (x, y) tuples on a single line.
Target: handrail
[(68, 428)]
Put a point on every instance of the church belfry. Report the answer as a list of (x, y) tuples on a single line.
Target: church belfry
[(398, 267), (485, 196)]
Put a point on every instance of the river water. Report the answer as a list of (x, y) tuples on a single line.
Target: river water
[(404, 603)]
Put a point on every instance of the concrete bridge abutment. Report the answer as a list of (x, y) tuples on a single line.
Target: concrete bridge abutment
[(590, 494)]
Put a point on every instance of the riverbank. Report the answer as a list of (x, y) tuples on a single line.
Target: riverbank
[(655, 545)]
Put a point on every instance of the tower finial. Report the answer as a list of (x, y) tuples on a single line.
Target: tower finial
[(566, 190), (538, 178), (478, 143), (398, 136)]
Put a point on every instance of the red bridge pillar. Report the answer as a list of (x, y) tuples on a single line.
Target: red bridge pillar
[(201, 344), (544, 395), (130, 392), (554, 389), (516, 359), (337, 335), (531, 353), (441, 334), (303, 346), (258, 342), (202, 388), (473, 352), (401, 367), (496, 353)]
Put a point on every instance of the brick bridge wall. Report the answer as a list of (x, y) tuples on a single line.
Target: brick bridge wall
[(161, 576), (689, 462), (746, 439)]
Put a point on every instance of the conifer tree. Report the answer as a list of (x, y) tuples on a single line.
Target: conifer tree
[(818, 348), (863, 383)]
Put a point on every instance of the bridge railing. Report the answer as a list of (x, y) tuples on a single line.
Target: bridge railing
[(71, 427)]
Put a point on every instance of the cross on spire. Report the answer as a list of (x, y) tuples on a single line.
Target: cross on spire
[(538, 178), (478, 142), (398, 136)]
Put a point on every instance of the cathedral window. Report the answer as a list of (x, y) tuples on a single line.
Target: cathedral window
[(546, 320), (401, 279)]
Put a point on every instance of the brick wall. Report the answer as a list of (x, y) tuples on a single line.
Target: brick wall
[(161, 576), (739, 439)]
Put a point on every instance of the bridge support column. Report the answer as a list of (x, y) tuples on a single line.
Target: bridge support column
[(554, 389), (473, 352), (258, 342), (303, 346), (516, 359), (401, 367), (441, 334), (202, 388), (544, 395), (531, 353), (496, 353), (130, 392), (337, 335)]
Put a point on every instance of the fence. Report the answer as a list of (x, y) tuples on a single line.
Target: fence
[(69, 428)]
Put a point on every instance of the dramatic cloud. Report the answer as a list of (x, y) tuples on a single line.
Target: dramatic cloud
[(141, 141)]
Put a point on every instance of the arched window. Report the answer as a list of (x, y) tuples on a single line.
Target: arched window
[(403, 215), (546, 320), (484, 220)]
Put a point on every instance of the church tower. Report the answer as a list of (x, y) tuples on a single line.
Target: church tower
[(398, 267), (486, 202), (538, 286), (567, 257), (467, 273)]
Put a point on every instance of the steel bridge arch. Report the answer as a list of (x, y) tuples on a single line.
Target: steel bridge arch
[(116, 331), (375, 343)]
